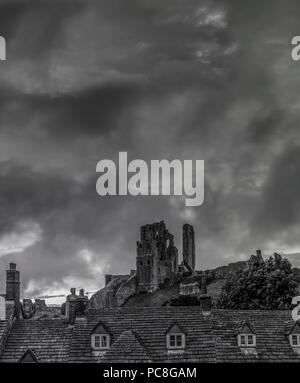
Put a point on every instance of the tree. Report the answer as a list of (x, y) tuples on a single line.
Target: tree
[(266, 285)]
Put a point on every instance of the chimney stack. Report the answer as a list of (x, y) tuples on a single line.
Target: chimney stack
[(71, 306), (13, 287), (205, 304), (76, 305), (81, 304)]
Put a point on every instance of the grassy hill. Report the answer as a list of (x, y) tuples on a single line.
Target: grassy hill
[(158, 298)]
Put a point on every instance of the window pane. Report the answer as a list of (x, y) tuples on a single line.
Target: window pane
[(295, 340), (103, 341), (243, 340), (97, 341), (250, 339), (172, 341), (179, 340)]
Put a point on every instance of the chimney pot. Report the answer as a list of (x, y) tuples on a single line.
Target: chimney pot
[(258, 252), (81, 292), (73, 291)]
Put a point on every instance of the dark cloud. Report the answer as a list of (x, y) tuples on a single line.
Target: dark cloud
[(93, 111), (208, 80), (32, 28), (280, 206), (28, 195)]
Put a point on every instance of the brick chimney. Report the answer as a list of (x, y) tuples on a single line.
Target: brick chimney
[(81, 304), (205, 304), (71, 306), (76, 305), (13, 288)]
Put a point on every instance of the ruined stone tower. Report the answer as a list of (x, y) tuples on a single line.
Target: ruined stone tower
[(188, 246), (157, 257)]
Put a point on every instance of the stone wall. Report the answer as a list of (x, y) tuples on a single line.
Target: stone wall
[(189, 289), (157, 257)]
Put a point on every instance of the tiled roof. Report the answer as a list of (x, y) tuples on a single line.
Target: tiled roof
[(270, 327), (50, 340), (3, 324), (140, 334), (149, 324), (127, 348)]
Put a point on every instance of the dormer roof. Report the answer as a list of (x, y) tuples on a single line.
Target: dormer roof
[(175, 328), (100, 328), (295, 329), (244, 327)]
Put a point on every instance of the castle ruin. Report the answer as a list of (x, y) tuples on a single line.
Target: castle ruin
[(157, 258), (188, 246), (156, 265)]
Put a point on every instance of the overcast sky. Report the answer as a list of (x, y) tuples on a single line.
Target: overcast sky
[(84, 80)]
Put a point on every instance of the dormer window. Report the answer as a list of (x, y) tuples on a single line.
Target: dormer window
[(100, 342), (176, 341), (175, 338), (294, 337), (246, 336), (246, 340), (295, 340), (100, 338)]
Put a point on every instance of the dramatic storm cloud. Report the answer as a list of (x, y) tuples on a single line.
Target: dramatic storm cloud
[(84, 80)]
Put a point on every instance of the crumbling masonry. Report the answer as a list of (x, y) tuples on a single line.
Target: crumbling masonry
[(157, 258)]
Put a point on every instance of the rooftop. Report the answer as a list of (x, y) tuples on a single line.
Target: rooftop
[(139, 334)]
